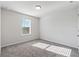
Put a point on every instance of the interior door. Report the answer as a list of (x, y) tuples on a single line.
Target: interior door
[(78, 25)]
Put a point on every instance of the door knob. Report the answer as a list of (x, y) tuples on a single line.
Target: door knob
[(77, 35)]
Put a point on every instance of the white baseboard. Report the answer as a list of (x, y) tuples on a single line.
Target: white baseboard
[(15, 43)]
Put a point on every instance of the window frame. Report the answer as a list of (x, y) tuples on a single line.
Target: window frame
[(30, 30)]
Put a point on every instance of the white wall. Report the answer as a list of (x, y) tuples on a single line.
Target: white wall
[(11, 28), (0, 31), (60, 25)]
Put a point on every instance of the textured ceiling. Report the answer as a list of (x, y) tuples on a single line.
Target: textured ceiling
[(28, 7)]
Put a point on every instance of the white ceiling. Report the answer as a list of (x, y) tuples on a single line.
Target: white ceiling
[(28, 7)]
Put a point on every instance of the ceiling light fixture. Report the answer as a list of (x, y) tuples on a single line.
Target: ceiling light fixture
[(71, 1), (38, 7)]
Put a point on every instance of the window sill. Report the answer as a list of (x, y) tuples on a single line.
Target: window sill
[(25, 34)]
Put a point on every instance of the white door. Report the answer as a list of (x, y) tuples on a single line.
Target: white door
[(78, 26)]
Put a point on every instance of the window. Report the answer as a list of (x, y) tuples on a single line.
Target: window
[(26, 26)]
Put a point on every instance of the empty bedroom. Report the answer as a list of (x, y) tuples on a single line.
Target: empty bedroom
[(39, 28)]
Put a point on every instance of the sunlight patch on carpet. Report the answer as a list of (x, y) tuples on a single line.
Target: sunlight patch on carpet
[(59, 50), (41, 45)]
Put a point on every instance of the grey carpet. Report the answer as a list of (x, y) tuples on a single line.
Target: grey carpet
[(27, 50)]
